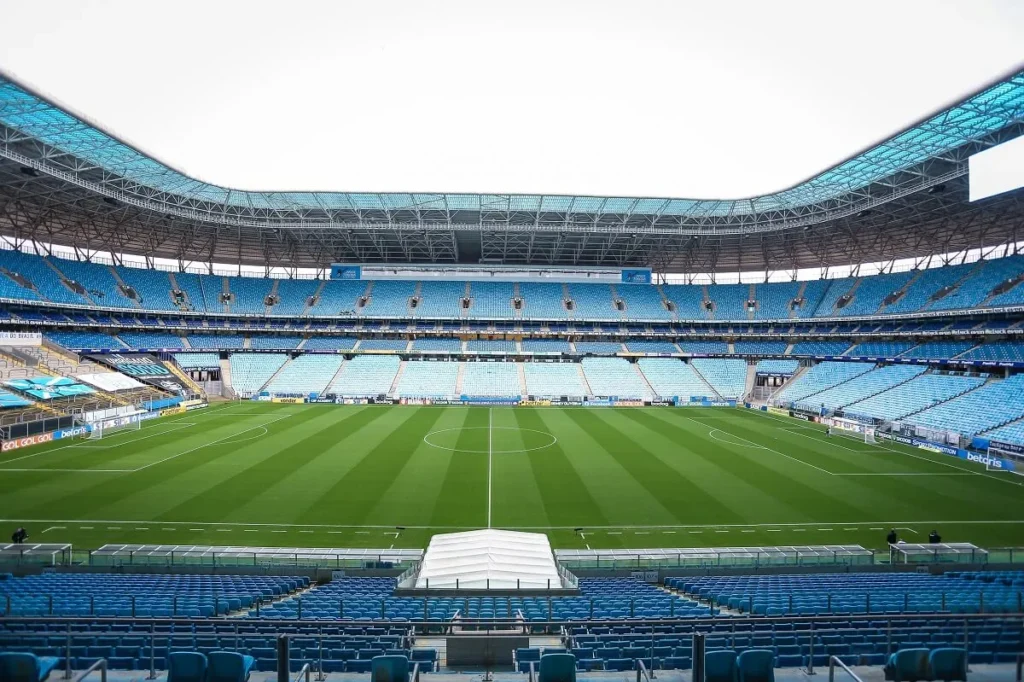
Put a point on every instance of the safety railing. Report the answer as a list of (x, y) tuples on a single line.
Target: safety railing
[(834, 661), (807, 632)]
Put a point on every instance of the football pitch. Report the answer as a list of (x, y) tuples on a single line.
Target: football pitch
[(261, 474)]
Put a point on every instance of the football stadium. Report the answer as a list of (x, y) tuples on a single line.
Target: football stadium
[(386, 435)]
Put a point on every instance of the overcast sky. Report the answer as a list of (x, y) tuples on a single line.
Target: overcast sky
[(629, 98)]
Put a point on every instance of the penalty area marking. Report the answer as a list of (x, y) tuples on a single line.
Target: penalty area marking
[(490, 450), (747, 444)]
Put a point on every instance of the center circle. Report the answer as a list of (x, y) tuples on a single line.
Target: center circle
[(447, 439)]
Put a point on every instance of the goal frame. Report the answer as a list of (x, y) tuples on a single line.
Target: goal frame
[(865, 433), (100, 431)]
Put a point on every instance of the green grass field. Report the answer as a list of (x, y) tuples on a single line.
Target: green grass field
[(344, 476)]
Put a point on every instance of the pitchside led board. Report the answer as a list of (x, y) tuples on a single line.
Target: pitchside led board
[(997, 170)]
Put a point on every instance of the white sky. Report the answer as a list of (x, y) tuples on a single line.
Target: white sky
[(629, 98)]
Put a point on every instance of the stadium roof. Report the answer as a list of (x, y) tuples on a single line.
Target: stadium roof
[(66, 180)]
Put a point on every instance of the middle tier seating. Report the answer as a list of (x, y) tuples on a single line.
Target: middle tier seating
[(615, 377)]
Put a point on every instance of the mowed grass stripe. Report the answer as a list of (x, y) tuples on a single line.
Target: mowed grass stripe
[(303, 492), (517, 499), (747, 501), (360, 489), (686, 499), (565, 498), (160, 489), (463, 496), (91, 491), (612, 487), (804, 488), (267, 463)]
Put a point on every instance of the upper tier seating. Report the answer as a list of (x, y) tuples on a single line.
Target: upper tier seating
[(914, 396), (545, 346), (250, 371), (643, 302), (820, 348), (983, 409), (305, 374), (598, 347), (191, 285), (976, 288), (543, 300), (727, 377), (153, 287), (448, 345), (777, 366), (553, 379), (339, 297), (704, 347), (396, 345), (390, 298), (293, 295), (670, 378), (111, 594), (197, 360), (822, 376), (615, 377), (864, 386), (38, 273), (159, 340), (688, 300), (880, 349), (730, 301), (927, 285), (491, 300), (836, 291), (225, 341), (249, 294), (491, 346), (759, 347), (274, 342), (1000, 351), (366, 376), (814, 291), (98, 281), (428, 379), (774, 300), (441, 299), (330, 343), (593, 302), (651, 347), (943, 350), (871, 292), (495, 379), (79, 340)]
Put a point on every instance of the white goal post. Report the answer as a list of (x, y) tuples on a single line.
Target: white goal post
[(108, 428), (838, 426)]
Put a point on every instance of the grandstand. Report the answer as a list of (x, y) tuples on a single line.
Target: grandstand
[(439, 378)]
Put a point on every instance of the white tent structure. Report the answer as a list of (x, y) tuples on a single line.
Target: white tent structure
[(489, 559)]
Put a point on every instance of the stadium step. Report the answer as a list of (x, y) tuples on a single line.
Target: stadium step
[(647, 384), (121, 283), (64, 279), (268, 310), (395, 382), (184, 378), (711, 389), (225, 377), (315, 297), (459, 377), (522, 378), (752, 296), (799, 297), (751, 379), (274, 375), (583, 378)]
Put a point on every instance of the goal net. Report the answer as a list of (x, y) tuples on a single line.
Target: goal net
[(1003, 461), (106, 429), (852, 429)]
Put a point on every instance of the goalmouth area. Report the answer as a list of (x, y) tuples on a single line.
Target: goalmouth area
[(261, 474)]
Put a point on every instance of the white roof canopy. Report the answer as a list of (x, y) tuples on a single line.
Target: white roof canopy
[(489, 559)]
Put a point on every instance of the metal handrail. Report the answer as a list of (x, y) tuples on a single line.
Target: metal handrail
[(641, 672), (305, 671), (833, 661), (101, 664)]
